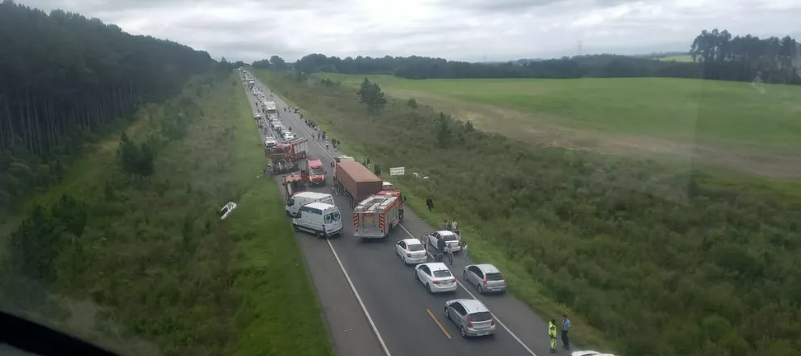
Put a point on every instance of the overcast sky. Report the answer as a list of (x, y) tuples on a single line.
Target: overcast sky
[(455, 29)]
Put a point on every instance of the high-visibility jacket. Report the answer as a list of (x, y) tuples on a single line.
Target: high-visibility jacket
[(551, 330)]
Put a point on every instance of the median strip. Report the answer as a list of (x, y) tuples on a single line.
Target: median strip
[(438, 323)]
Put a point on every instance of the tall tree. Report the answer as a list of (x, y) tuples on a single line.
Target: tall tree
[(371, 95), (64, 78), (718, 56), (278, 63)]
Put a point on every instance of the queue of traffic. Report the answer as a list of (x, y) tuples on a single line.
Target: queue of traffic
[(377, 208)]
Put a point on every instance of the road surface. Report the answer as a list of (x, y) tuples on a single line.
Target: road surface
[(372, 302)]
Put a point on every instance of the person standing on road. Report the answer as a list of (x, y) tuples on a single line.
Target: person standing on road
[(565, 329), (424, 240), (450, 254), (440, 248), (465, 258), (552, 334)]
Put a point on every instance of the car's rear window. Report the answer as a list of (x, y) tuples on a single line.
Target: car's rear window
[(494, 277), (481, 316), (416, 247), (449, 237), (442, 273)]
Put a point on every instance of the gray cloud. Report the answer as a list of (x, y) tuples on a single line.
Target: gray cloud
[(456, 29)]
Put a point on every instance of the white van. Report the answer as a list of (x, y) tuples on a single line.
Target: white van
[(303, 198), (321, 219)]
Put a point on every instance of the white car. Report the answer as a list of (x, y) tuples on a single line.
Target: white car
[(411, 251), (227, 209), (270, 141), (436, 277), (288, 135), (451, 240), (589, 353)]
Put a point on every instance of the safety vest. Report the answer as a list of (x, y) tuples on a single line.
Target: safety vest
[(551, 330)]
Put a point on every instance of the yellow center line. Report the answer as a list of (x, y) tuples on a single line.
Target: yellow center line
[(438, 323)]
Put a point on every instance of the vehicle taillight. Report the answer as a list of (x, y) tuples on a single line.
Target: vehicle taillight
[(436, 282), (493, 321), (469, 322), (504, 279), (485, 280), (453, 280), (408, 254)]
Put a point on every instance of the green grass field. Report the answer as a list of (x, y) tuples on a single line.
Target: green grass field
[(155, 271), (727, 124), (682, 58), (648, 258)]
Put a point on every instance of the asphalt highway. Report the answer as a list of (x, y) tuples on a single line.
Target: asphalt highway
[(373, 304)]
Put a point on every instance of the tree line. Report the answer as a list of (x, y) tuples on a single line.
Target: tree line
[(717, 56), (64, 80)]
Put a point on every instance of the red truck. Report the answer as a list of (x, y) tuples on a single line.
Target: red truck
[(376, 216), (388, 189), (291, 150), (315, 175), (355, 181)]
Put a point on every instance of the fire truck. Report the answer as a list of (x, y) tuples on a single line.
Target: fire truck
[(388, 189), (292, 150), (315, 174), (376, 216)]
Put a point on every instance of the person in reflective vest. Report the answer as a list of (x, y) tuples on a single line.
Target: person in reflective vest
[(552, 334)]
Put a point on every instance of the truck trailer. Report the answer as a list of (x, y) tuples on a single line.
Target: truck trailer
[(355, 181)]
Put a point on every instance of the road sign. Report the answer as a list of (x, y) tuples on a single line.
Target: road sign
[(397, 171)]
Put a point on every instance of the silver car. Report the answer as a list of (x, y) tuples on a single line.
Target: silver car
[(485, 277), (471, 316)]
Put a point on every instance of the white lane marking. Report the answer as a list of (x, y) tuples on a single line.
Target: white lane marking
[(353, 288), (474, 297), (432, 256), (359, 299)]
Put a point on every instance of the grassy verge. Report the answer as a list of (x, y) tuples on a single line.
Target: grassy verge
[(145, 266), (279, 313), (689, 261)]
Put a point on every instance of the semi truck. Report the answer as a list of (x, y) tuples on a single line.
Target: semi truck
[(376, 216), (355, 181), (270, 108)]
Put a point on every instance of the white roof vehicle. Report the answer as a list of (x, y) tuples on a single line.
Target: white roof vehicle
[(589, 353), (270, 141), (436, 277), (227, 209), (288, 135), (411, 251), (451, 240)]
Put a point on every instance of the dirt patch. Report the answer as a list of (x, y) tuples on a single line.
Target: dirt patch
[(778, 162)]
